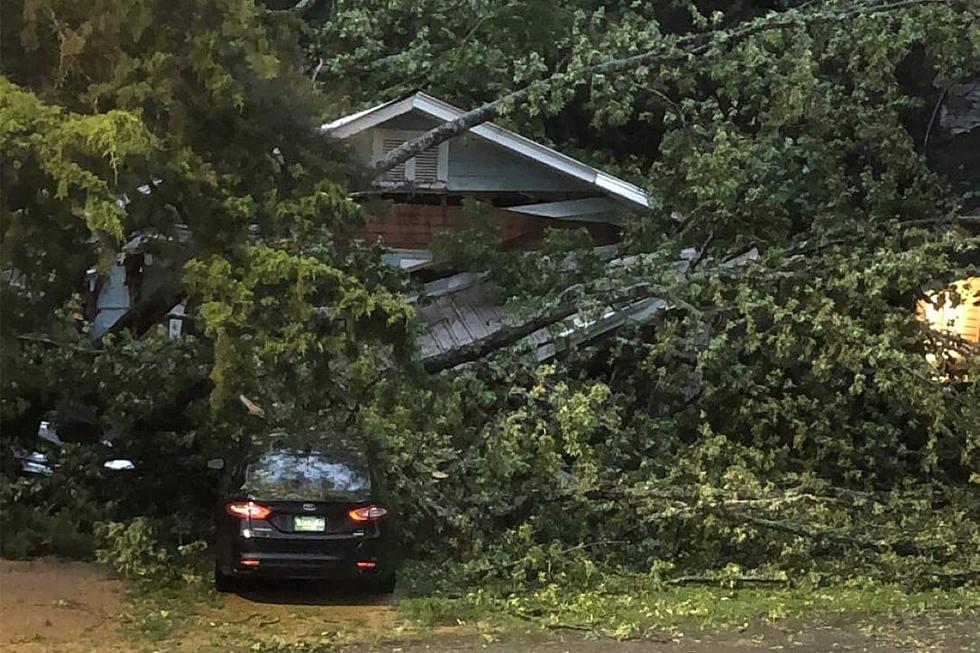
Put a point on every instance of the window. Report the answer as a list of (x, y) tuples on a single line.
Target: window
[(956, 310), (286, 475), (427, 170), (955, 313)]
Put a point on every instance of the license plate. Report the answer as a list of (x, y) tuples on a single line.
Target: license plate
[(306, 523)]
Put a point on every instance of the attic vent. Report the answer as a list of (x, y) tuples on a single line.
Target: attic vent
[(427, 166), (396, 174), (428, 169)]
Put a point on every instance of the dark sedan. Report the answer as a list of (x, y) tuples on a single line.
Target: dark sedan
[(303, 515)]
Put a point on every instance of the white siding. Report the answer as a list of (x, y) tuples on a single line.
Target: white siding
[(474, 164), (962, 319)]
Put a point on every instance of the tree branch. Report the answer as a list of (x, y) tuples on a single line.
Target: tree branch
[(718, 580), (680, 49), (567, 306)]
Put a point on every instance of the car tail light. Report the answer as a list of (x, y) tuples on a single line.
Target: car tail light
[(367, 513), (251, 563), (247, 510), (366, 564)]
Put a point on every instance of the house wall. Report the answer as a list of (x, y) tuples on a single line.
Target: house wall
[(962, 319), (476, 165), (412, 226), (113, 299)]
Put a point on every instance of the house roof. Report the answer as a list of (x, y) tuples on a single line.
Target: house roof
[(459, 310), (433, 107)]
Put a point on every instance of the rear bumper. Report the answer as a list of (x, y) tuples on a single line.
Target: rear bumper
[(335, 560)]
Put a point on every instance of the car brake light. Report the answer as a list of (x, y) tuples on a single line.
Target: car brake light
[(367, 513), (366, 564), (251, 563), (247, 510)]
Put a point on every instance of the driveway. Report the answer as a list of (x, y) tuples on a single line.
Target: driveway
[(49, 606)]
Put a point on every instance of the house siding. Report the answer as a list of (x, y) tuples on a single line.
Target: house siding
[(474, 164), (412, 226), (478, 166)]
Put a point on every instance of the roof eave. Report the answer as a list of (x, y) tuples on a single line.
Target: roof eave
[(612, 186)]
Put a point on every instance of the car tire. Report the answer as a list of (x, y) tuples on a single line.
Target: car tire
[(223, 582)]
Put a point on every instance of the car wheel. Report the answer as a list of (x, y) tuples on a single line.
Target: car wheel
[(223, 582)]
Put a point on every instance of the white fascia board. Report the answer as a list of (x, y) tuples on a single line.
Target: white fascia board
[(350, 125), (340, 122), (624, 189)]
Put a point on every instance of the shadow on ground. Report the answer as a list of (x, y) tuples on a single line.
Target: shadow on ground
[(310, 592)]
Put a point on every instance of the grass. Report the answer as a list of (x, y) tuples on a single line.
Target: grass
[(155, 613), (193, 617), (621, 608), (630, 608)]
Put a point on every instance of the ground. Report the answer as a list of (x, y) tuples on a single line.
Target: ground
[(49, 606)]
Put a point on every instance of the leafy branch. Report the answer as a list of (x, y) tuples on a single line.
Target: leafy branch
[(672, 50)]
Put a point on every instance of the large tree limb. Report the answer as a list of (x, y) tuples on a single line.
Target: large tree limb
[(569, 303), (671, 49)]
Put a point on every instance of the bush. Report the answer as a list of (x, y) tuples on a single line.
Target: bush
[(29, 532), (47, 516), (135, 552)]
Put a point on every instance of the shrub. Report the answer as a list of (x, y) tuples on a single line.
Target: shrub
[(50, 516), (134, 551)]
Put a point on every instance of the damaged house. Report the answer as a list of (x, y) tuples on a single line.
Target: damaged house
[(527, 187), (531, 187)]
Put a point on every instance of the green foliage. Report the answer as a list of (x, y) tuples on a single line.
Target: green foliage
[(301, 307), (473, 50), (203, 121), (807, 129), (639, 607), (783, 419), (195, 130), (30, 530), (60, 144), (564, 256), (133, 550), (52, 515), (780, 423)]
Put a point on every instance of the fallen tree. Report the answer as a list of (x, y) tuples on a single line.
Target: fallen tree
[(783, 420), (673, 51)]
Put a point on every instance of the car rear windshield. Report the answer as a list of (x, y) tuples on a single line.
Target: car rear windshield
[(296, 476)]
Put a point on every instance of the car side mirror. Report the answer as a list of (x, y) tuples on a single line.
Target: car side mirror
[(216, 464)]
